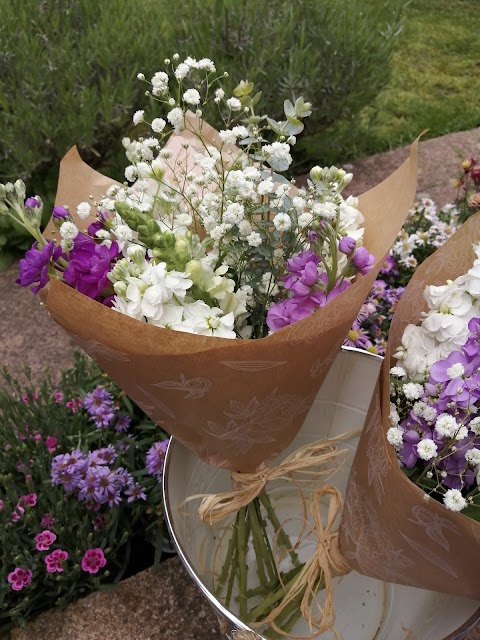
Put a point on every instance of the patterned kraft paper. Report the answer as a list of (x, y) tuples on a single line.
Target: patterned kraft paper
[(235, 403), (388, 530)]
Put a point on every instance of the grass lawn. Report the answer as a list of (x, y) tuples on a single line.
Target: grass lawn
[(436, 76), (435, 85)]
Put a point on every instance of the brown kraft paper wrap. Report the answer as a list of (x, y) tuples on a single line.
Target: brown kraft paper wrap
[(235, 403), (388, 530)]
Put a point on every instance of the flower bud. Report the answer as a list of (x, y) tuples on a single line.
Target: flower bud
[(194, 271), (316, 174), (20, 189), (9, 188), (120, 288), (347, 245)]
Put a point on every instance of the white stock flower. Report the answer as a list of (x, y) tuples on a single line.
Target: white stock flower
[(68, 230), (138, 117), (449, 298), (83, 210), (427, 449), (417, 352), (191, 96), (398, 372), (201, 319), (454, 500)]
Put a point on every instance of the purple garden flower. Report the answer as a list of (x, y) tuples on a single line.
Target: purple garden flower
[(98, 401), (60, 213), (44, 540), (54, 560), (19, 578), (34, 266), (93, 560), (156, 458)]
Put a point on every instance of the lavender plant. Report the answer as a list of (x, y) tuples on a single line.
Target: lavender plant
[(79, 480)]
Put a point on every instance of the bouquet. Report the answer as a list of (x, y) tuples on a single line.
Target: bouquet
[(425, 230), (421, 440), (211, 290), (79, 485)]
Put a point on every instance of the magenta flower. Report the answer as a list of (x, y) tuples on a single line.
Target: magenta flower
[(44, 540), (17, 513), (1, 505), (33, 203), (34, 266), (89, 265), (51, 443), (19, 578), (54, 561), (93, 560), (47, 521), (58, 396), (29, 499)]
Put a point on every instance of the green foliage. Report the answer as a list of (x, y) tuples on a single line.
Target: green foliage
[(27, 417), (68, 76), (335, 54), (434, 84)]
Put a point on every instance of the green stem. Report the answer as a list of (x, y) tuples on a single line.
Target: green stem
[(242, 538), (233, 571), (227, 562), (282, 537), (258, 545), (269, 559), (262, 609), (273, 584)]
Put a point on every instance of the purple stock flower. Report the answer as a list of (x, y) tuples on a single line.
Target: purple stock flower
[(89, 265), (33, 203), (34, 266), (363, 260), (60, 213), (286, 312), (347, 245)]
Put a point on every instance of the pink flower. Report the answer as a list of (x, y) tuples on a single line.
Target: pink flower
[(51, 443), (44, 540), (17, 513), (37, 437), (29, 500), (54, 560), (58, 396), (93, 560), (47, 521), (1, 505), (19, 578)]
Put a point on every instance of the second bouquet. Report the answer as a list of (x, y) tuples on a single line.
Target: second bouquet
[(210, 288)]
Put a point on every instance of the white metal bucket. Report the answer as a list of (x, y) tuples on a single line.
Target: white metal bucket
[(366, 609)]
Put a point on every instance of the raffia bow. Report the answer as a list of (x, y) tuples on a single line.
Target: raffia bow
[(321, 458)]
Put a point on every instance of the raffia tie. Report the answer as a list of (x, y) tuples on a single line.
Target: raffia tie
[(326, 563), (315, 459)]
